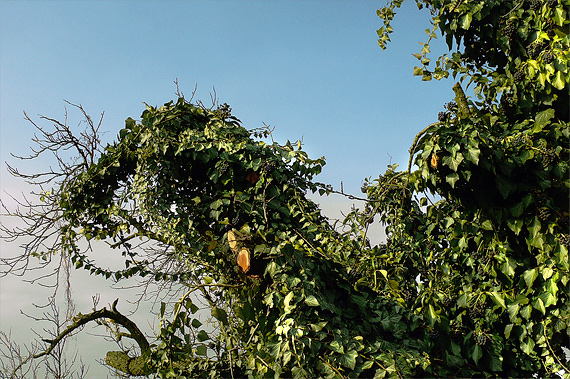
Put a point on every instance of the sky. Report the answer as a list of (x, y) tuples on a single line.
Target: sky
[(310, 69)]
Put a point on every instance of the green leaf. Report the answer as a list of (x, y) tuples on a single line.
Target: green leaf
[(487, 225), (433, 316), (367, 365), (538, 304), (499, 299), (220, 315), (472, 154), (336, 347), (527, 345), (513, 310), (515, 225), (453, 162), (286, 357), (508, 330), (543, 118), (477, 354), (558, 82), (349, 359), (505, 186), (508, 267), (196, 323), (203, 336), (202, 350), (287, 301), (318, 326), (418, 71), (526, 311), (529, 276), (534, 228), (496, 363), (452, 179), (465, 21), (312, 301)]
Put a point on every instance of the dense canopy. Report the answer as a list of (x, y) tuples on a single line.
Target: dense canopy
[(473, 279)]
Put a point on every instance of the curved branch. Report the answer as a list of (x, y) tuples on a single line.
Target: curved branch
[(118, 360)]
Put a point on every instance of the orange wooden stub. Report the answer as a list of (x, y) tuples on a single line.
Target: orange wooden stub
[(252, 176), (434, 160), (232, 240), (244, 260)]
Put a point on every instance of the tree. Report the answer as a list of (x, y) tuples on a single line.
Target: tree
[(473, 279)]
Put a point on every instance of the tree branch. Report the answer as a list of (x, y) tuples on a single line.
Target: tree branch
[(118, 360)]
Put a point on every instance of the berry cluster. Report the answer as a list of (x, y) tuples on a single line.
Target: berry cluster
[(408, 295), (451, 106), (364, 188), (510, 29), (535, 5), (548, 57), (477, 311), (442, 116), (433, 334), (507, 106), (519, 76), (481, 339), (223, 168), (534, 49), (552, 3), (268, 167), (548, 157), (224, 109), (544, 214), (448, 301)]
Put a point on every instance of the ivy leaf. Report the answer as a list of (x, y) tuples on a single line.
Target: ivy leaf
[(538, 304), (202, 350), (202, 336), (508, 267), (287, 301), (472, 154), (558, 82), (454, 162), (312, 301), (499, 299), (543, 118), (529, 276), (336, 347), (526, 311), (477, 354), (508, 330), (505, 186), (465, 21), (220, 315), (349, 359), (496, 363), (452, 179)]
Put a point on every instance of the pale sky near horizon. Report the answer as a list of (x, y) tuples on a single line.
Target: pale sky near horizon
[(311, 69)]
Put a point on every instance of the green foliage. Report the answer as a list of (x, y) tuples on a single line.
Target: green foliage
[(183, 177), (472, 281), (491, 255)]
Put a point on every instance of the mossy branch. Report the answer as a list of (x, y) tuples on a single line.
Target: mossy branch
[(118, 360)]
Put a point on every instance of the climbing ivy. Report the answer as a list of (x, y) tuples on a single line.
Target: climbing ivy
[(478, 234), (473, 279)]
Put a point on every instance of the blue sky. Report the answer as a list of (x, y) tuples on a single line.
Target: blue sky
[(311, 69)]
